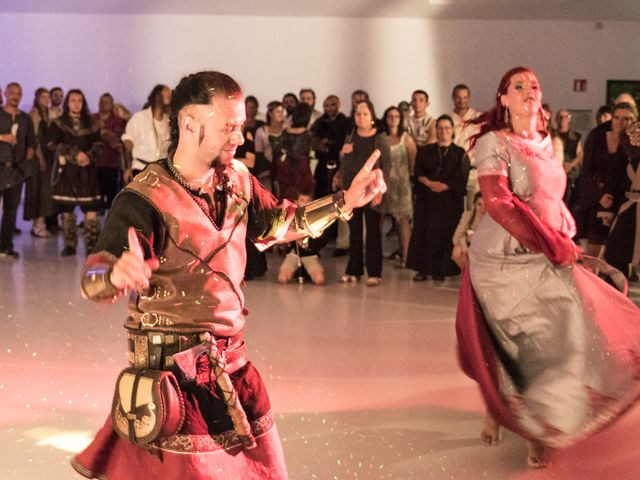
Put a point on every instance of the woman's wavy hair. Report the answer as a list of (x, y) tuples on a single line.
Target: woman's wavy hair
[(495, 119), (42, 111), (85, 114), (271, 107), (385, 125), (198, 89)]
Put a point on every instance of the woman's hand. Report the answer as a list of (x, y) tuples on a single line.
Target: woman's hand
[(82, 159)]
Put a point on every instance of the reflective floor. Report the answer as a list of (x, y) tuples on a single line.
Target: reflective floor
[(364, 381)]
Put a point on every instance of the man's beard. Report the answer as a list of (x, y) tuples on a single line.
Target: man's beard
[(215, 162)]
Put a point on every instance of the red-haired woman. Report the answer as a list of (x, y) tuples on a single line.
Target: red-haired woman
[(555, 350)]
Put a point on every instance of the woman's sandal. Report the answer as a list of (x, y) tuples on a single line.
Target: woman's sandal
[(348, 278)]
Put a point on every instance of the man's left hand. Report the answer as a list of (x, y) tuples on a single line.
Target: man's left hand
[(368, 183)]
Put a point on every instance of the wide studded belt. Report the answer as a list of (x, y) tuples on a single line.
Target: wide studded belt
[(154, 349)]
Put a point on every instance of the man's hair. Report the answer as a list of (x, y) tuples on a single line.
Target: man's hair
[(251, 98), (307, 90), (460, 86), (107, 94), (420, 92), (55, 89), (289, 94), (12, 84), (198, 89)]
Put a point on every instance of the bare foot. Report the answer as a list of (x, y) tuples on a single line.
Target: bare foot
[(538, 456), (491, 431)]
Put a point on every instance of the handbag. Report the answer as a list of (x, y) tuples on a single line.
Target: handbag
[(147, 404)]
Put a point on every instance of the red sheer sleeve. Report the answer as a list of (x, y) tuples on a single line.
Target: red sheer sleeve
[(517, 218)]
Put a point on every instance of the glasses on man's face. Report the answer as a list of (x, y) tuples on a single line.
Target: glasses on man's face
[(564, 116)]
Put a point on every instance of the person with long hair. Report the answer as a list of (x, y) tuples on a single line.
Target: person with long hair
[(398, 200), (38, 200), (360, 144), (75, 140), (441, 172), (146, 135), (291, 165), (554, 348), (268, 143)]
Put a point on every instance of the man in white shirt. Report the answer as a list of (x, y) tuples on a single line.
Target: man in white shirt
[(146, 137), (462, 133), (422, 127)]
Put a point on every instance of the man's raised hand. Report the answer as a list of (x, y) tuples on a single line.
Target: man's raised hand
[(132, 270)]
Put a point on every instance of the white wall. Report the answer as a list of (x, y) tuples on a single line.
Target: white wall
[(128, 54)]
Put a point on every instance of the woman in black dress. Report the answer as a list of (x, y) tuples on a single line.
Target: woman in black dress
[(441, 173), (75, 139)]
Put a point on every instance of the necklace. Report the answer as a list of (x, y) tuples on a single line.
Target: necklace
[(442, 151)]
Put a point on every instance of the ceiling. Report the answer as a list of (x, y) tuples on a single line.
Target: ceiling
[(581, 10)]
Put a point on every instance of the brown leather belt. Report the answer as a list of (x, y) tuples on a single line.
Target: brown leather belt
[(154, 349)]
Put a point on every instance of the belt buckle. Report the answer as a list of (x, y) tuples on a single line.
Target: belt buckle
[(144, 319)]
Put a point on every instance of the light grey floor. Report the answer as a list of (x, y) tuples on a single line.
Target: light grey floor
[(364, 381)]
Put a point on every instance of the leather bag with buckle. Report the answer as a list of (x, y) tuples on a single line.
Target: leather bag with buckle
[(147, 404)]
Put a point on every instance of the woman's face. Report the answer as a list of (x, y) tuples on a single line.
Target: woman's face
[(523, 97), (364, 118), (43, 100), (277, 114), (479, 206), (75, 104), (621, 119), (251, 109), (444, 131), (393, 118)]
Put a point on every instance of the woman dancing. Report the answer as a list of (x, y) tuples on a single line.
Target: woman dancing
[(555, 350)]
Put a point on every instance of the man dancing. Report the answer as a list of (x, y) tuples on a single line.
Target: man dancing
[(175, 237)]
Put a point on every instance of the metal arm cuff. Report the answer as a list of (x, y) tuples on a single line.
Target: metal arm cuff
[(95, 283), (315, 217)]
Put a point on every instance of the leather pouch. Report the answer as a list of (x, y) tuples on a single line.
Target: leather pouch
[(147, 405)]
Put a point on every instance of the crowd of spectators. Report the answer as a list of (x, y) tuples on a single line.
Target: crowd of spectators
[(68, 157)]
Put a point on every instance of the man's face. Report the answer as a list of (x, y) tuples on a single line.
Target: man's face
[(461, 99), (289, 103), (220, 127), (57, 97), (331, 106), (75, 104), (106, 104), (13, 94), (419, 103), (1, 97), (357, 98), (308, 98)]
